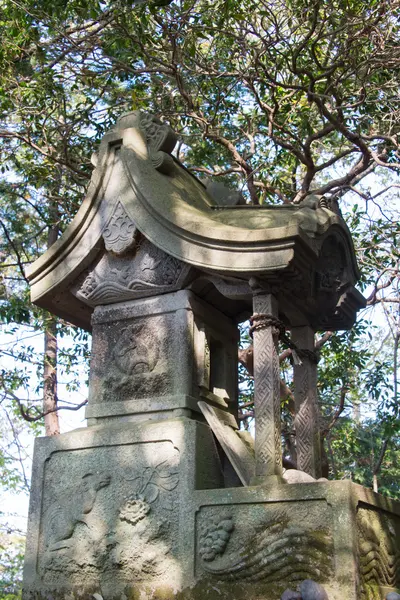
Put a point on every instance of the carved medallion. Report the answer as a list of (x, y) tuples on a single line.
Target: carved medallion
[(136, 362), (137, 350)]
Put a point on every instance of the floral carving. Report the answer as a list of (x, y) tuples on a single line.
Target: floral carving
[(120, 232), (149, 484), (134, 510), (153, 480)]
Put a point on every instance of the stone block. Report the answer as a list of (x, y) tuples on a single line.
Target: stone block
[(108, 511), (141, 511), (257, 543), (164, 349)]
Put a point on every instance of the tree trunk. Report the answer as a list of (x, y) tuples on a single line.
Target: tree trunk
[(51, 422)]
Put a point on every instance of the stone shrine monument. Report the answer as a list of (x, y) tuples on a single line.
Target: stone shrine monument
[(161, 496)]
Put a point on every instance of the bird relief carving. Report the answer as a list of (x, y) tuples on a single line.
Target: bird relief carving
[(72, 538), (62, 525)]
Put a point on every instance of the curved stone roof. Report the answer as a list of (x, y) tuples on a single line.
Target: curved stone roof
[(137, 179)]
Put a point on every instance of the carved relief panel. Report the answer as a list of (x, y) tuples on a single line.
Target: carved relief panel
[(131, 359), (110, 516), (379, 554), (331, 275), (157, 348), (268, 545), (131, 267)]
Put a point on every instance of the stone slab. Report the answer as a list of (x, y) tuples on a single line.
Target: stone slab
[(109, 509), (162, 404), (224, 427), (129, 512), (255, 543)]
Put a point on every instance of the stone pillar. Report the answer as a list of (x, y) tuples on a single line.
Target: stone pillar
[(267, 408), (306, 403)]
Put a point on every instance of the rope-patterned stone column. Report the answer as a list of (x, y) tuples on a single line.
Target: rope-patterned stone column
[(267, 409), (306, 420)]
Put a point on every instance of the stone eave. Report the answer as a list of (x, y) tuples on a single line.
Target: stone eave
[(174, 211)]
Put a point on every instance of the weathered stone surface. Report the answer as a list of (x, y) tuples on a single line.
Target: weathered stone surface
[(290, 595), (321, 517), (167, 349), (267, 399), (132, 268), (120, 518), (392, 596), (379, 553), (310, 590), (109, 508), (295, 476), (259, 540), (222, 195), (234, 447), (142, 507), (308, 443), (145, 503)]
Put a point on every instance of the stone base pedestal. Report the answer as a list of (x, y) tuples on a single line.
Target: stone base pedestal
[(111, 510), (139, 512), (336, 533)]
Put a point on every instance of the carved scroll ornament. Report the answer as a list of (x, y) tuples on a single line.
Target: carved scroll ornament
[(160, 140)]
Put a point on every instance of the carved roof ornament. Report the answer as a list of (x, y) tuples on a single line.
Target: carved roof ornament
[(119, 233), (119, 277), (139, 189), (160, 138)]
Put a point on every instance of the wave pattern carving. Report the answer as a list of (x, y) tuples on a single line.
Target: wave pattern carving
[(145, 272), (280, 551), (378, 553)]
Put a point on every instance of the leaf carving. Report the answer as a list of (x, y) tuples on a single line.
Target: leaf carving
[(151, 492), (154, 479)]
